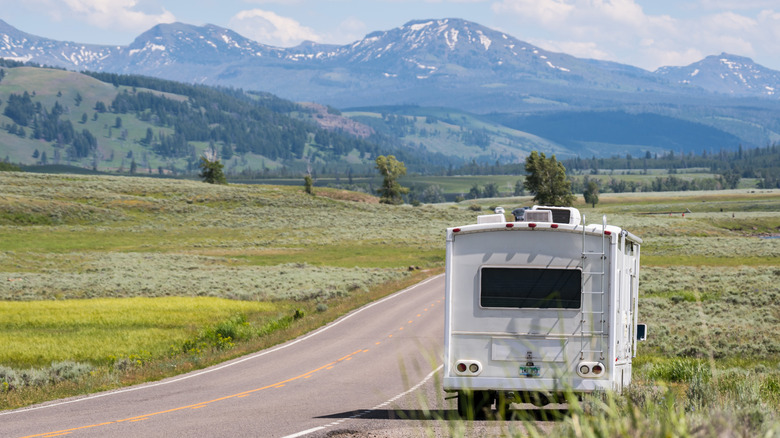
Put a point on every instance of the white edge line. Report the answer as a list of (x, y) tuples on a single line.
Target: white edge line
[(305, 432), (381, 405), (229, 364)]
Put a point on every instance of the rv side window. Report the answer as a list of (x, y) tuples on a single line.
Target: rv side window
[(530, 288)]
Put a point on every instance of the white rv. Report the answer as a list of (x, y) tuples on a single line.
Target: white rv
[(538, 307)]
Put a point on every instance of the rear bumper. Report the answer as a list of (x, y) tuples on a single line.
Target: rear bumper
[(577, 385)]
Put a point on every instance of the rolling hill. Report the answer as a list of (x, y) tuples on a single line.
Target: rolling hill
[(466, 68), (149, 126)]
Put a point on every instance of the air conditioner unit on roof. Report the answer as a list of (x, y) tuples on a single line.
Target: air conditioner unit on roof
[(538, 216)]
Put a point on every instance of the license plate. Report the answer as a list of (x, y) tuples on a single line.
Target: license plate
[(529, 371)]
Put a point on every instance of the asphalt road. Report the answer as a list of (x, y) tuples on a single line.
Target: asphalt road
[(369, 371)]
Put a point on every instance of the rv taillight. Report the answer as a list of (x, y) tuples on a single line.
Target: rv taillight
[(455, 230), (461, 367), (532, 225), (473, 368), (510, 225), (584, 369), (597, 369), (554, 226)]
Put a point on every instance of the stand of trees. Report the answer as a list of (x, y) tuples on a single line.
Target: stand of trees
[(761, 163), (245, 122)]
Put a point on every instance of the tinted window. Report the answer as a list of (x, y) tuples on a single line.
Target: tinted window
[(560, 216), (530, 288)]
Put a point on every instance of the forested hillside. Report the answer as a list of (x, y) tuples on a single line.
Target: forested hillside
[(653, 172), (137, 124)]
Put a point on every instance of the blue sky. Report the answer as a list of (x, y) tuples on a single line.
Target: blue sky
[(643, 33)]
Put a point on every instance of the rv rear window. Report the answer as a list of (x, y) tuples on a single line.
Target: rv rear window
[(530, 288)]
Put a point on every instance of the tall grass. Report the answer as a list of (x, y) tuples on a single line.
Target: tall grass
[(708, 287), (97, 331)]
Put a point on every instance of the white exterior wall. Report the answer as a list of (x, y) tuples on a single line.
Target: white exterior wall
[(500, 340)]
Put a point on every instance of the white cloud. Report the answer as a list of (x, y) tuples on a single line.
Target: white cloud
[(278, 2), (620, 30), (549, 12), (349, 30), (109, 14), (737, 4), (269, 28), (576, 48)]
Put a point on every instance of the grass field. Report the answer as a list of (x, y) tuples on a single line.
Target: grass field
[(274, 262), (37, 333), (97, 270)]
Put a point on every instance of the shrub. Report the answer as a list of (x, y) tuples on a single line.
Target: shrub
[(9, 378), (34, 377), (68, 370), (680, 370)]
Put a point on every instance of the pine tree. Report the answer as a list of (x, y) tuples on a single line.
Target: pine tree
[(211, 171), (546, 179), (308, 183), (391, 169), (591, 193)]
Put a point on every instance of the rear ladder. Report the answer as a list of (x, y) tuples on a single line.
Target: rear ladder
[(593, 321)]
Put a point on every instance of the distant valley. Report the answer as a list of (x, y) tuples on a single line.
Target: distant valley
[(446, 91)]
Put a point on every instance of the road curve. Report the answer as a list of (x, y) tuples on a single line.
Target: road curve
[(364, 361)]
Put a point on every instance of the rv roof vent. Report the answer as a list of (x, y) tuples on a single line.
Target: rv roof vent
[(491, 219), (561, 215), (538, 216)]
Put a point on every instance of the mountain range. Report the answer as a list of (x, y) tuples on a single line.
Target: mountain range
[(450, 63), (443, 53)]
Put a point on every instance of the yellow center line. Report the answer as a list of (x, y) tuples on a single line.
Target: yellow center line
[(196, 405), (144, 417)]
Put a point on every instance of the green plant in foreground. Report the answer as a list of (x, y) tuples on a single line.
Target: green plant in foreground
[(655, 411), (58, 372)]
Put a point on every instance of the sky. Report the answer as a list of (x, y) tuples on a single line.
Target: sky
[(643, 33)]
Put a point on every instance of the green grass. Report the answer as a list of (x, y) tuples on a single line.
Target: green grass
[(703, 260), (103, 241), (708, 284), (98, 331)]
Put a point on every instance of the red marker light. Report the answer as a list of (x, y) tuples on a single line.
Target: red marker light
[(554, 226), (510, 225), (461, 367), (597, 369), (532, 225), (455, 230), (608, 233)]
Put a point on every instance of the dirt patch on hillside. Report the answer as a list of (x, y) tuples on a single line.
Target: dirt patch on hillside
[(336, 122)]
